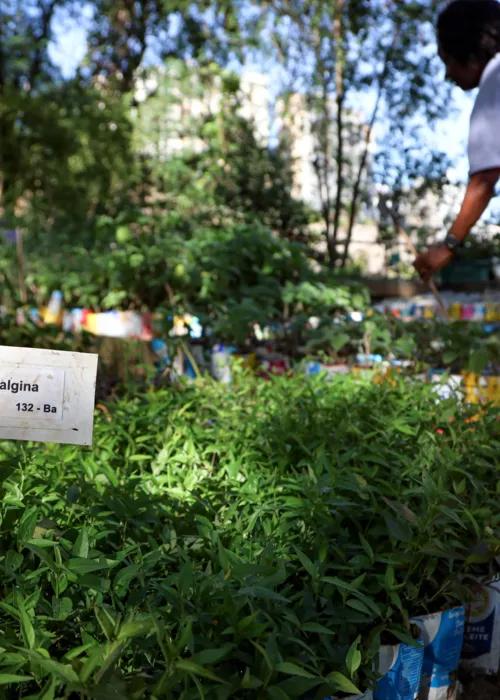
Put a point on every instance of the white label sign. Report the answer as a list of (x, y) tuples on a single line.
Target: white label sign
[(47, 395), (31, 390)]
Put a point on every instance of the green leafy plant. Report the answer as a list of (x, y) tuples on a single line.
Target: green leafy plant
[(215, 544)]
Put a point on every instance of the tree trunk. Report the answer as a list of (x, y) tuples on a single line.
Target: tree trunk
[(47, 14), (362, 163), (339, 87)]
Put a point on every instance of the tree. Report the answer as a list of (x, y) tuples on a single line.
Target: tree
[(26, 29), (124, 30), (337, 54), (206, 159)]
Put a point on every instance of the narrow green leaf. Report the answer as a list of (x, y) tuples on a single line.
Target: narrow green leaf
[(27, 631), (212, 656), (389, 577), (359, 606), (190, 667), (342, 683), (27, 525), (306, 562), (293, 670), (7, 678), (316, 628), (81, 546), (62, 671), (81, 567)]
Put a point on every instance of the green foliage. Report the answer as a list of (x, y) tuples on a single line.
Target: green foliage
[(218, 168), (215, 544), (325, 296), (63, 151), (231, 278), (456, 346)]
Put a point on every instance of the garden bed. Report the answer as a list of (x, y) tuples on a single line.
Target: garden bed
[(252, 542)]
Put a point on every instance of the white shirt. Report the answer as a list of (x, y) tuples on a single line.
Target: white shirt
[(484, 135)]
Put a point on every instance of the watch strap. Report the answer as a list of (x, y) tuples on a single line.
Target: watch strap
[(452, 242)]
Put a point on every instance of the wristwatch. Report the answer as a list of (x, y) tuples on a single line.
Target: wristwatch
[(452, 242)]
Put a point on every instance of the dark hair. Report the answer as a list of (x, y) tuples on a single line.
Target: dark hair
[(470, 29)]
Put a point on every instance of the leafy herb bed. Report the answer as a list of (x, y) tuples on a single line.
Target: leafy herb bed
[(252, 542)]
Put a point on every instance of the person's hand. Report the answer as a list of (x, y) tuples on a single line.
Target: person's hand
[(437, 257)]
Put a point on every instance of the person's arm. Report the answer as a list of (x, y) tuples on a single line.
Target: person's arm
[(480, 190)]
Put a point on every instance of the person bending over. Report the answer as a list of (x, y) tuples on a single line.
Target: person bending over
[(469, 45)]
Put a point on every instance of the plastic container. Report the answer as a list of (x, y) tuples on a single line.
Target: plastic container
[(160, 349), (315, 368), (53, 312), (221, 363), (401, 669), (481, 649), (443, 635), (460, 272)]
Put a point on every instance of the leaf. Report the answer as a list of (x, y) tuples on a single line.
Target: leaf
[(135, 628), (65, 672), (27, 525), (62, 607), (480, 558), (344, 684), (38, 542), (403, 428), (107, 622), (316, 628), (405, 638), (49, 690), (396, 529), (185, 580), (6, 678), (389, 578), (27, 630), (275, 693), (190, 667), (293, 670), (76, 652), (367, 548), (449, 357), (212, 656), (124, 577), (306, 563), (296, 687), (81, 546), (359, 606), (264, 654), (353, 658), (339, 340), (81, 567), (371, 604), (479, 361), (261, 592), (13, 560), (402, 509)]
